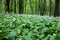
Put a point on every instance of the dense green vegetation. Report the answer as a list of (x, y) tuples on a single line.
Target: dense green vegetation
[(29, 20), (29, 27)]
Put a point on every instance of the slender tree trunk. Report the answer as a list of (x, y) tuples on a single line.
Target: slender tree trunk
[(41, 13), (11, 6), (25, 6), (56, 12), (7, 9), (44, 7), (50, 8), (21, 8), (39, 8), (31, 6), (14, 6), (36, 7)]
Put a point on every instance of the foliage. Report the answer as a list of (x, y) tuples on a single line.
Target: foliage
[(28, 27), (31, 6)]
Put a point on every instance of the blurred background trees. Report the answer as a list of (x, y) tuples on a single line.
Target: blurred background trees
[(38, 7)]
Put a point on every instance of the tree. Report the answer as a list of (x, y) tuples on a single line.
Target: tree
[(11, 5), (21, 8), (25, 5), (50, 7), (56, 12), (31, 7), (39, 7), (7, 2), (43, 7), (14, 6)]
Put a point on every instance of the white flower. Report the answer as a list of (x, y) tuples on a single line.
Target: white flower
[(0, 30), (19, 39), (54, 34), (14, 19)]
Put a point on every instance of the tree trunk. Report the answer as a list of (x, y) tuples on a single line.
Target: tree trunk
[(21, 8), (44, 7), (31, 7), (11, 6), (7, 2), (14, 6), (39, 8), (56, 12), (50, 8)]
